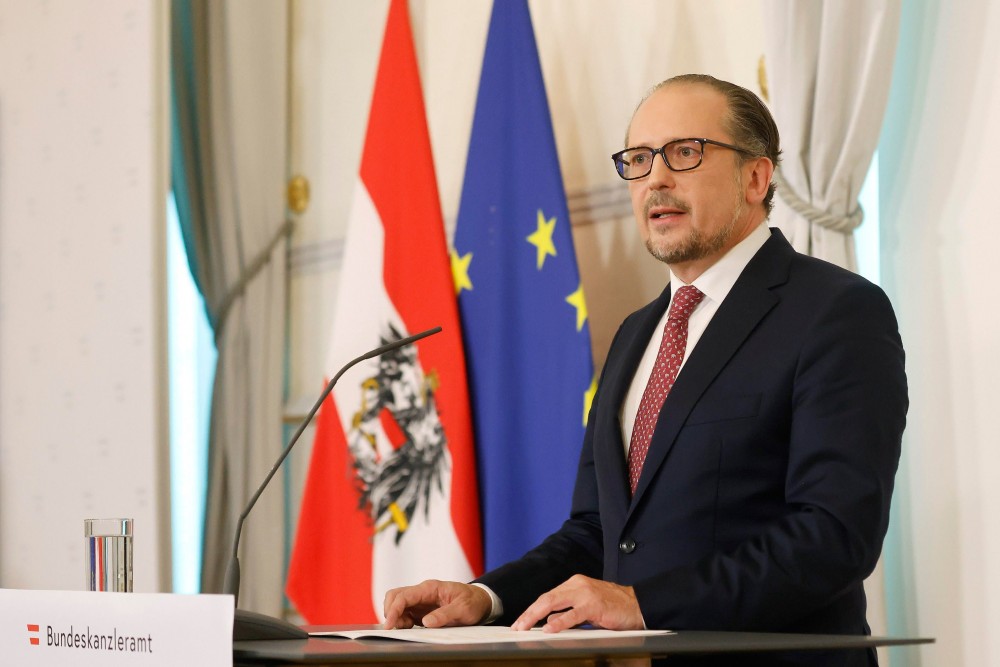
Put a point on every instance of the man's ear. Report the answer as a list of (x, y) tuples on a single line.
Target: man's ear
[(760, 171)]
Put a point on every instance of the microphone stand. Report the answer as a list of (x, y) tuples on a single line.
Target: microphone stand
[(249, 625)]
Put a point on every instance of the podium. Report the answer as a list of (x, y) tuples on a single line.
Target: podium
[(331, 651)]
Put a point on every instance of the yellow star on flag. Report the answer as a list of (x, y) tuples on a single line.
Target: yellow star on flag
[(588, 399), (541, 238), (576, 299), (460, 271)]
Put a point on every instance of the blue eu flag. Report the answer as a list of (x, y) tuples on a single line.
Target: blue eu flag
[(524, 318)]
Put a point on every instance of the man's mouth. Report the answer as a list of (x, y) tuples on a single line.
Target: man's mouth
[(660, 206), (659, 213)]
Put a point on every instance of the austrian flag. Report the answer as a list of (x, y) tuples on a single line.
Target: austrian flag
[(391, 495)]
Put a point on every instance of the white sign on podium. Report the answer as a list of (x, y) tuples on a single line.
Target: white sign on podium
[(84, 629)]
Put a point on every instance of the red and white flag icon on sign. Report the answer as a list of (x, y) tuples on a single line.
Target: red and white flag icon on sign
[(32, 629), (391, 495)]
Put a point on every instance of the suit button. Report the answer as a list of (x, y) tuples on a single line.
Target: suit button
[(627, 546)]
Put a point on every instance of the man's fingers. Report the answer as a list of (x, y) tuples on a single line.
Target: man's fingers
[(400, 603), (405, 622), (564, 620), (581, 600), (395, 606), (540, 608), (389, 608), (442, 618), (557, 615), (463, 611), (435, 604)]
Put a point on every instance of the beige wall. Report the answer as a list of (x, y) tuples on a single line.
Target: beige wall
[(83, 181)]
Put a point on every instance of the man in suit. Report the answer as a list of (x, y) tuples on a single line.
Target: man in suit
[(739, 457)]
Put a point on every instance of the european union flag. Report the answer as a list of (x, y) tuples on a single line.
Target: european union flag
[(523, 314)]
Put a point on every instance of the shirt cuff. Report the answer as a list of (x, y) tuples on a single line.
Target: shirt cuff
[(496, 610)]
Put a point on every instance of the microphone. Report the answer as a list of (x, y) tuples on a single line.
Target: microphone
[(249, 625)]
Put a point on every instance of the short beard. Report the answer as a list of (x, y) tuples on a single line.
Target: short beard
[(696, 245)]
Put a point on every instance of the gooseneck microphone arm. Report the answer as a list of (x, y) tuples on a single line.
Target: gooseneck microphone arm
[(231, 584)]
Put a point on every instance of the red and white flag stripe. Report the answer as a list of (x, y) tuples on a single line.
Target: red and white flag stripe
[(391, 497)]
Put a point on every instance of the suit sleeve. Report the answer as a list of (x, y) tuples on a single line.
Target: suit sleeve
[(576, 548), (849, 402)]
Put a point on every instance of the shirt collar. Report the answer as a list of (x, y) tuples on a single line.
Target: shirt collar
[(719, 278)]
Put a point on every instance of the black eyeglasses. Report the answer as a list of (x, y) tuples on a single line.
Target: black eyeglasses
[(678, 155)]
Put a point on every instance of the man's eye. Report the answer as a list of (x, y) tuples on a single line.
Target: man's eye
[(640, 158)]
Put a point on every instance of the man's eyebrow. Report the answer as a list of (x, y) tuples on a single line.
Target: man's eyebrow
[(657, 143)]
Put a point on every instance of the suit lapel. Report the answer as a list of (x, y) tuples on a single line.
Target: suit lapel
[(611, 449), (745, 306)]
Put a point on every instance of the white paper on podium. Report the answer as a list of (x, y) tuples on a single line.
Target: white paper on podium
[(86, 629), (483, 634)]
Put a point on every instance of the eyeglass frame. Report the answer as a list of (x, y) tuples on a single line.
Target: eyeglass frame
[(616, 157)]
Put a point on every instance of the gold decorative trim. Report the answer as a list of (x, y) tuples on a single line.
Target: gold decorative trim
[(298, 193), (762, 80)]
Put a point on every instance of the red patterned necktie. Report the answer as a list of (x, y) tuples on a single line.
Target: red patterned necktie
[(661, 380)]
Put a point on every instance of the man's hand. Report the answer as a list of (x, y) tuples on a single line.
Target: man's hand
[(436, 604), (584, 600)]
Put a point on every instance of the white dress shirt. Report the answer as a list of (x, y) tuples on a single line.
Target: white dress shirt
[(715, 283)]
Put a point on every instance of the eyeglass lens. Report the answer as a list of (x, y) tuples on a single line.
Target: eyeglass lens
[(680, 156)]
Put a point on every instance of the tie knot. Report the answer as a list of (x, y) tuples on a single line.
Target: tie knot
[(685, 300)]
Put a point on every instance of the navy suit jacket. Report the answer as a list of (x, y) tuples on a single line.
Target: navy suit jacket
[(764, 497)]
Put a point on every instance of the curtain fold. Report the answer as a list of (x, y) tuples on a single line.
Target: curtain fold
[(229, 93), (829, 64)]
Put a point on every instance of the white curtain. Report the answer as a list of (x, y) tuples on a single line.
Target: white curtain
[(250, 54), (230, 89), (828, 64)]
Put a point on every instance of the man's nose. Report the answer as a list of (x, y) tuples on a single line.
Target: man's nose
[(660, 176)]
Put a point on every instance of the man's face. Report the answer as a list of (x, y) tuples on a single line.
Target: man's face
[(689, 219)]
